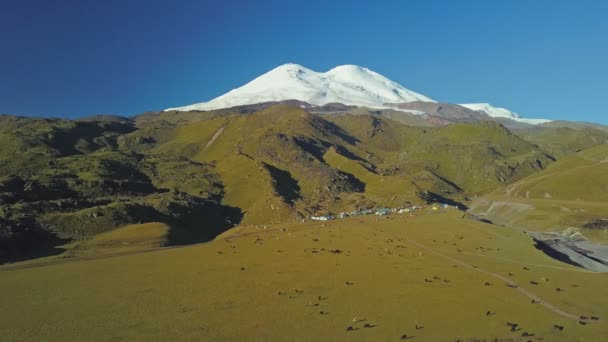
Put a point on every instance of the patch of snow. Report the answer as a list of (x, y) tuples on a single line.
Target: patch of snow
[(533, 121), (411, 111), (497, 112), (348, 84)]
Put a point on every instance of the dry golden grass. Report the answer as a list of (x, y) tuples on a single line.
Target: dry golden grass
[(127, 239), (253, 283)]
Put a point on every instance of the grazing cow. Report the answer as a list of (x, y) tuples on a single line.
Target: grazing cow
[(418, 327), (533, 282), (534, 301), (350, 328), (582, 322), (559, 289), (428, 280), (595, 318), (490, 313), (367, 325), (527, 269), (349, 283), (514, 326), (558, 327), (584, 318), (487, 283)]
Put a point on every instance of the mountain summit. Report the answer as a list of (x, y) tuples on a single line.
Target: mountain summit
[(347, 84), (351, 85)]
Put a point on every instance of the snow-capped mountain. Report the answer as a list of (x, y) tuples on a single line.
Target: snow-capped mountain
[(348, 84), (497, 112)]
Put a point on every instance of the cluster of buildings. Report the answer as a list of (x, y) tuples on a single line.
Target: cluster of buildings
[(379, 212)]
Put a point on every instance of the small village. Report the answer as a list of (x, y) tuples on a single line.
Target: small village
[(435, 207)]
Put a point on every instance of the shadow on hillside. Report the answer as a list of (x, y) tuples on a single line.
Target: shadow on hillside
[(313, 147), (337, 130), (201, 223), (46, 251), (190, 223), (445, 180), (284, 184), (431, 197), (341, 150), (543, 247), (347, 182), (29, 242), (66, 140)]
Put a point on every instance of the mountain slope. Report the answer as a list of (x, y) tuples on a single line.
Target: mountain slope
[(346, 84), (569, 193), (563, 141), (201, 173)]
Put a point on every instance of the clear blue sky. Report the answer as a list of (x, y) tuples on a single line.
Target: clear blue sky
[(71, 58)]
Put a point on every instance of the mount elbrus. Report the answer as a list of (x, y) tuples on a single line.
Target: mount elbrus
[(350, 85)]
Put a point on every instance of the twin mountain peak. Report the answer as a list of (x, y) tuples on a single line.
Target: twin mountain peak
[(351, 85)]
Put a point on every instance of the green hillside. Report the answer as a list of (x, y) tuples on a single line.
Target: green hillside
[(569, 193), (203, 172), (563, 141)]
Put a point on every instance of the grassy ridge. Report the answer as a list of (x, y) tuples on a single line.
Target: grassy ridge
[(564, 141)]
